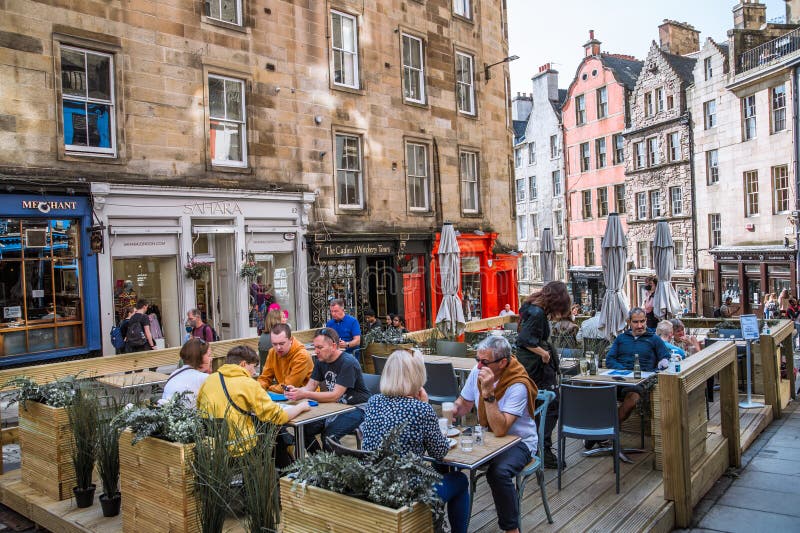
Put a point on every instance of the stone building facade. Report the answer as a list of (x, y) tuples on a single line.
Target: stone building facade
[(336, 135), (658, 183)]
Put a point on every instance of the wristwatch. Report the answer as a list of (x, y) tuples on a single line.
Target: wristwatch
[(489, 399)]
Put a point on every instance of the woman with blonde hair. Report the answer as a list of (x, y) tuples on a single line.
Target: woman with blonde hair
[(403, 401), (274, 317)]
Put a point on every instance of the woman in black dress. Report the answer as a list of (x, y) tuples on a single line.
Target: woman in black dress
[(536, 353)]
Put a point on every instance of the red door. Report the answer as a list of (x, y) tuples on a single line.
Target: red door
[(414, 301)]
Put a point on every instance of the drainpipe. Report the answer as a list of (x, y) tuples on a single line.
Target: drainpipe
[(698, 298), (796, 213)]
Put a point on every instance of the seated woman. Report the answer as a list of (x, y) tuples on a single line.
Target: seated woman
[(403, 400), (399, 323), (196, 357)]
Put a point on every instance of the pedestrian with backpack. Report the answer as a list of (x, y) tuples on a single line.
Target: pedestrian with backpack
[(137, 333), (200, 329), (118, 332)]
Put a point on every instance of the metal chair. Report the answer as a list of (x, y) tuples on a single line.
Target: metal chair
[(338, 449), (379, 362), (588, 413), (451, 348), (372, 382), (441, 385), (511, 326)]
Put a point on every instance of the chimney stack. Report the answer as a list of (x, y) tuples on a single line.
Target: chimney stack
[(592, 46), (792, 11), (545, 84), (678, 38), (749, 15)]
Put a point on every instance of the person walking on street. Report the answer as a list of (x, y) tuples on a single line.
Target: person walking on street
[(200, 329), (137, 332)]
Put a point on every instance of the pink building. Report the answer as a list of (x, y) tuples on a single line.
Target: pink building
[(595, 115)]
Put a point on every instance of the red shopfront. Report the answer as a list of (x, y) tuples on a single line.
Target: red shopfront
[(488, 280)]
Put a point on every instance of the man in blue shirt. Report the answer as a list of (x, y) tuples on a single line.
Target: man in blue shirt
[(346, 326)]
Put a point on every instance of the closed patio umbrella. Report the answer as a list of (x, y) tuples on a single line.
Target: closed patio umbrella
[(547, 255), (614, 311), (450, 318), (665, 300)]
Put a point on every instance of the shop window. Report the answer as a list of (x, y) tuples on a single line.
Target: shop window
[(344, 50), (40, 285), (471, 287), (227, 123), (336, 280)]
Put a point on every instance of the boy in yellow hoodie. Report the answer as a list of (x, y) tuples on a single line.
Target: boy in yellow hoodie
[(288, 362), (233, 394)]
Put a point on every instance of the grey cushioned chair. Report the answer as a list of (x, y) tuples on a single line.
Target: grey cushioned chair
[(451, 348), (441, 385), (373, 383)]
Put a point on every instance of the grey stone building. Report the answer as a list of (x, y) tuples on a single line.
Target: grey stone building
[(658, 174)]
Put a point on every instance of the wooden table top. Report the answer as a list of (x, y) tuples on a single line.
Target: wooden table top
[(459, 363), (603, 378), (136, 379), (491, 448), (319, 412)]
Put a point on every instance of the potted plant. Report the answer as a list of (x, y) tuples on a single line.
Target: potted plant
[(108, 458), (45, 434), (383, 341), (196, 269), (385, 491), (213, 470), (260, 495), (83, 419)]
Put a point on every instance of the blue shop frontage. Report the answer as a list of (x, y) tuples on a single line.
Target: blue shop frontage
[(49, 304)]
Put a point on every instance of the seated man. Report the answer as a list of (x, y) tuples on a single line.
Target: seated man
[(664, 330), (288, 362), (339, 377), (637, 340), (505, 397), (232, 393)]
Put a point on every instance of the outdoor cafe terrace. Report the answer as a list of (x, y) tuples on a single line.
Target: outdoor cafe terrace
[(688, 445)]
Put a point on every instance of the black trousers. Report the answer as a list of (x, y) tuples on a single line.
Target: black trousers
[(550, 421)]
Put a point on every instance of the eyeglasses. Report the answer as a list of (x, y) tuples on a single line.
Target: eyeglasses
[(330, 333), (486, 362)]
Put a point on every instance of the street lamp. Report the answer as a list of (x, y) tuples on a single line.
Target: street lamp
[(487, 75)]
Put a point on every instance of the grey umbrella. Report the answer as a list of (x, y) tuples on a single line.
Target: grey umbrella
[(547, 255), (450, 318), (665, 300), (614, 311)]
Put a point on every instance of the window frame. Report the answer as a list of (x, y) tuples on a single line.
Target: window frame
[(777, 113), (649, 108), (674, 146), (467, 5), (473, 157), (619, 198), (659, 99), (361, 181), (750, 188), (656, 205), (534, 226), (588, 251), (239, 24), (523, 181), (533, 188), (601, 156), (470, 85), (585, 156), (532, 153), (676, 201), (580, 110), (244, 137), (749, 117), (522, 227), (710, 114), (555, 177), (518, 157), (776, 194), (602, 102), (708, 68), (555, 147), (602, 202), (714, 230), (712, 171), (619, 148), (641, 205), (653, 151), (586, 204), (426, 179), (355, 54), (639, 155), (558, 222), (643, 254), (679, 246), (421, 71)]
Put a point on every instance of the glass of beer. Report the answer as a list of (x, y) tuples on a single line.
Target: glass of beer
[(447, 412)]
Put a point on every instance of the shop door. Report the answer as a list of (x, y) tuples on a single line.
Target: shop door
[(414, 301), (504, 294), (225, 282), (754, 296)]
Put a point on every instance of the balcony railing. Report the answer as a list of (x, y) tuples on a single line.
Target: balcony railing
[(770, 52)]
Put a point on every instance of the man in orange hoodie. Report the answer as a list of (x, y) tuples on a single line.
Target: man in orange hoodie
[(288, 362)]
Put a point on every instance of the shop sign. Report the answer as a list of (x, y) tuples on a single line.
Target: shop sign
[(45, 207), (212, 208), (356, 249), (143, 245), (470, 264)]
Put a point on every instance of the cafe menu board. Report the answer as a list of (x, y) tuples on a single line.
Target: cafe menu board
[(749, 327)]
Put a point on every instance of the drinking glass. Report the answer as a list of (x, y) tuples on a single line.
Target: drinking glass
[(447, 411), (466, 441), (584, 367), (443, 426), (477, 435)]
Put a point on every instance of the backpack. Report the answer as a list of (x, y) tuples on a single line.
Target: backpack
[(213, 332), (117, 340), (717, 312), (135, 335)]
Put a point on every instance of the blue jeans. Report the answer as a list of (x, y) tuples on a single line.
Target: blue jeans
[(335, 427), (501, 475), (454, 490)]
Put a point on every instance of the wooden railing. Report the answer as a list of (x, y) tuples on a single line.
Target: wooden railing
[(767, 355), (693, 457)]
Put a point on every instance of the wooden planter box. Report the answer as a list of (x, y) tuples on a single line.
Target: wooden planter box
[(157, 486), (45, 441), (309, 508)]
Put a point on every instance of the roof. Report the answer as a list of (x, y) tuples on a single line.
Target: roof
[(683, 66), (625, 69), (519, 130)]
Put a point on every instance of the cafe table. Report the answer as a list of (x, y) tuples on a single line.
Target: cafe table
[(620, 378), (321, 411), (124, 383)]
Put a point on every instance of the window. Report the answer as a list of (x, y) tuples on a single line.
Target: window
[(468, 169), (580, 110), (619, 149), (534, 189), (674, 146), (535, 267), (228, 132), (344, 53), (531, 153), (520, 189), (462, 8), (602, 202), (653, 156), (555, 149), (749, 117), (639, 160), (558, 222), (679, 249), (534, 226), (778, 104), (588, 251), (465, 82), (522, 228), (413, 69), (518, 157), (750, 193), (676, 200), (648, 104), (418, 184), (659, 100), (780, 188), (710, 114), (585, 157), (714, 230), (556, 183), (619, 196), (229, 11), (670, 102), (348, 172), (525, 269), (643, 254), (600, 150), (602, 102), (655, 204), (87, 102), (586, 197), (709, 72), (641, 205), (712, 167)]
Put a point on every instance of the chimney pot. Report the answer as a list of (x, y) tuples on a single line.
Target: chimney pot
[(591, 34)]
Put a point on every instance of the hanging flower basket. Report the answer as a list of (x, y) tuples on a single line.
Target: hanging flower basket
[(197, 269), (249, 269)]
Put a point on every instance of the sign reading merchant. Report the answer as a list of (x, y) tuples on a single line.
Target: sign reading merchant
[(45, 207), (366, 248)]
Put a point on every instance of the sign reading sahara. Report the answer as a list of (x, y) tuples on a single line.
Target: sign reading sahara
[(367, 248)]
